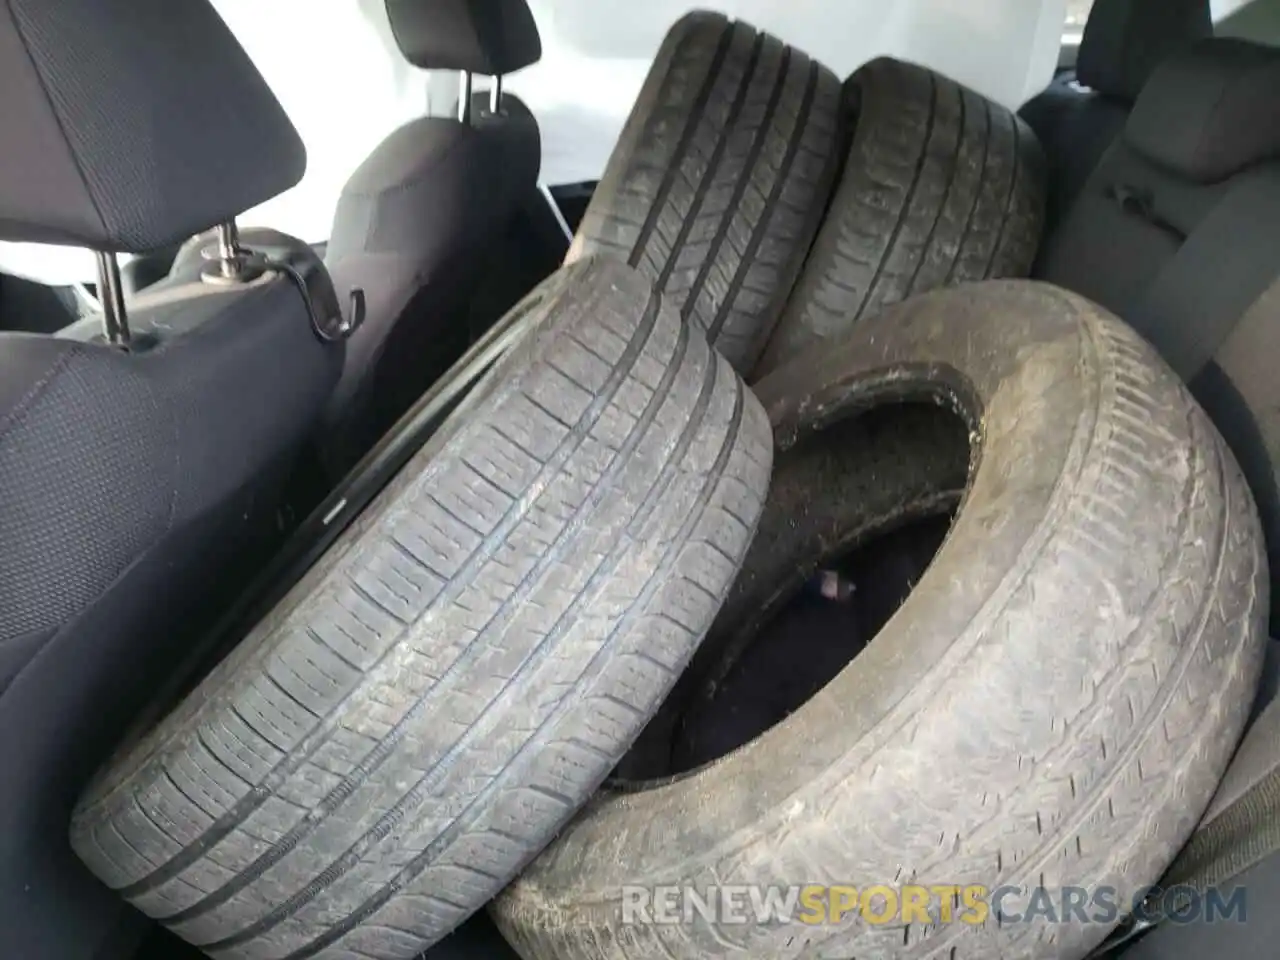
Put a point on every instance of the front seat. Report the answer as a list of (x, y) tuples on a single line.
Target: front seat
[(135, 475), (1083, 111), (415, 220), (1178, 233)]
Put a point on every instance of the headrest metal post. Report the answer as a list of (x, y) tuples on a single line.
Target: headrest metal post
[(115, 319), (464, 98), (495, 96), (229, 253), (230, 264)]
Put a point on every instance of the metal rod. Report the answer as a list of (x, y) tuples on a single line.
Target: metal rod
[(495, 95), (229, 248), (228, 239), (115, 320), (464, 98), (556, 211)]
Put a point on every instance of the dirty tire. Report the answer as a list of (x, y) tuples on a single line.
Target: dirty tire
[(422, 713), (720, 178), (941, 186), (1052, 706), (831, 494)]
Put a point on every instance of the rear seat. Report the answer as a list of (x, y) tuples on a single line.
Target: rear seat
[(1124, 41), (1178, 232)]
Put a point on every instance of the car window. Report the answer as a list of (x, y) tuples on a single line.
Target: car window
[(1226, 8), (1077, 15), (334, 66), (596, 54)]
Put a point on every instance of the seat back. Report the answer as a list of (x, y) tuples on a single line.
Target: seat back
[(415, 220), (1178, 232), (1084, 110), (134, 484)]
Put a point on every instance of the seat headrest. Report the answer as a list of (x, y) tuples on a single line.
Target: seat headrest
[(1125, 40), (492, 37), (1211, 111), (130, 125)]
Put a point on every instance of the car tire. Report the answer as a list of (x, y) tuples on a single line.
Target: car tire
[(941, 186), (719, 180), (459, 672), (1051, 707), (849, 487)]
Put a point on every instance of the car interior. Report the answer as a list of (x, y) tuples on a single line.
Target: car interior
[(136, 483), (415, 218), (156, 453)]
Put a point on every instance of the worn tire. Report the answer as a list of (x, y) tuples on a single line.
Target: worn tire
[(941, 186), (1052, 706), (720, 178), (840, 490), (422, 713)]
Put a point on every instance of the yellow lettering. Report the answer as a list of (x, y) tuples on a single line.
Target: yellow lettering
[(915, 905), (976, 907), (887, 913), (813, 907), (843, 900), (946, 895)]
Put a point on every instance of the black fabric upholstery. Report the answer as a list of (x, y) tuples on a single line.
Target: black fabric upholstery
[(1075, 128), (30, 307), (133, 489), (102, 452), (132, 124), (1115, 256), (483, 36), (1240, 390), (1187, 263), (535, 243), (1211, 112), (1222, 267), (1126, 40), (410, 229), (1184, 271)]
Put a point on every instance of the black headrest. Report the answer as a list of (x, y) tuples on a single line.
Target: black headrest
[(492, 37), (1125, 40), (1211, 111), (129, 125)]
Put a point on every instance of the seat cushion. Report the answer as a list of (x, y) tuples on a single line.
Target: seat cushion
[(1212, 112), (1083, 111), (410, 231), (1076, 128)]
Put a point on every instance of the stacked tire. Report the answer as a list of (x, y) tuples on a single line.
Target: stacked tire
[(1053, 705), (746, 172), (430, 714), (941, 187)]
